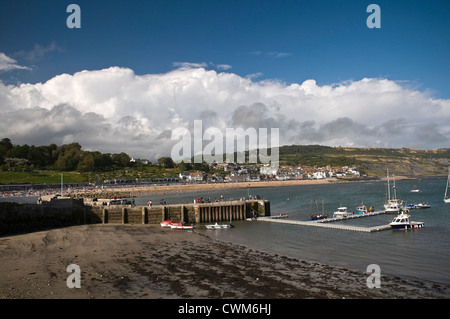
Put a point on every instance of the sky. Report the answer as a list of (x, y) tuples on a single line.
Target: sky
[(137, 70)]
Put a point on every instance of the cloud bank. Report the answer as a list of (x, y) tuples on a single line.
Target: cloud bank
[(115, 110)]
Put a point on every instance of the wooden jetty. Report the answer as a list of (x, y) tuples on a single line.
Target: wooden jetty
[(328, 223)]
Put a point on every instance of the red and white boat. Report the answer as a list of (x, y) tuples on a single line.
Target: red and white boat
[(180, 226), (166, 223)]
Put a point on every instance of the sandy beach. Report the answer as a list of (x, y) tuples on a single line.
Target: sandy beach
[(132, 190), (147, 261), (181, 188), (162, 189)]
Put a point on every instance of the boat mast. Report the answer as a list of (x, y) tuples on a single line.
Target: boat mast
[(388, 187), (448, 182), (394, 189), (313, 207)]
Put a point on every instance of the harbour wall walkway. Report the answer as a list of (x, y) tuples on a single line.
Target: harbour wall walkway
[(187, 213)]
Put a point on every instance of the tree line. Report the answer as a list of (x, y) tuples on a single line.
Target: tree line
[(67, 157), (71, 157)]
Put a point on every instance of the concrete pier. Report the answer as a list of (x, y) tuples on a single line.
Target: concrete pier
[(188, 213), (221, 211)]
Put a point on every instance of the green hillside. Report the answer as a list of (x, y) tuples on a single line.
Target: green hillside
[(24, 164)]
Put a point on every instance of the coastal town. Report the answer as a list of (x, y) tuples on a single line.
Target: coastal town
[(253, 173), (222, 173)]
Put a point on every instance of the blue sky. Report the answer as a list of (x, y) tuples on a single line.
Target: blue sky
[(287, 40), (311, 68)]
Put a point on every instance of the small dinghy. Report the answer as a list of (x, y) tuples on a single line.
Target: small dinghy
[(166, 223), (180, 226), (217, 226)]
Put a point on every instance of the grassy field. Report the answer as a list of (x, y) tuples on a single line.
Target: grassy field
[(40, 177)]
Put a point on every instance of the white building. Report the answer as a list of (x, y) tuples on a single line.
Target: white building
[(268, 170), (184, 176), (196, 177)]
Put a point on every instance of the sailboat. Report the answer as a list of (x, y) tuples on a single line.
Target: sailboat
[(314, 214), (446, 196), (392, 205)]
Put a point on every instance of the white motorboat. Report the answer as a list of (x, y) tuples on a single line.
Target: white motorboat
[(341, 213), (393, 206), (422, 205), (402, 221), (415, 190), (217, 226)]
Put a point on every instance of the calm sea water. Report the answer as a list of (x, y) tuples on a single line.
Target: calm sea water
[(422, 253)]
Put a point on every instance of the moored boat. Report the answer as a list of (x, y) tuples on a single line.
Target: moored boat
[(217, 226), (393, 204), (402, 221), (422, 205), (180, 226), (342, 213), (415, 190), (166, 223), (319, 216), (314, 214), (361, 209)]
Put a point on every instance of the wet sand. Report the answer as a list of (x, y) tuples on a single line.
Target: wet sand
[(147, 261)]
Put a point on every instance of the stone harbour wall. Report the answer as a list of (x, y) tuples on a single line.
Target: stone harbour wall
[(17, 218)]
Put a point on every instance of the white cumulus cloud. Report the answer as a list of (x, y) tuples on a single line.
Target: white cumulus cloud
[(115, 110)]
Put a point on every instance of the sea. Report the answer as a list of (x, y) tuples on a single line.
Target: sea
[(422, 254)]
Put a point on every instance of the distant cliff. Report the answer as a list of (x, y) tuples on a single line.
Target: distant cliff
[(373, 161)]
